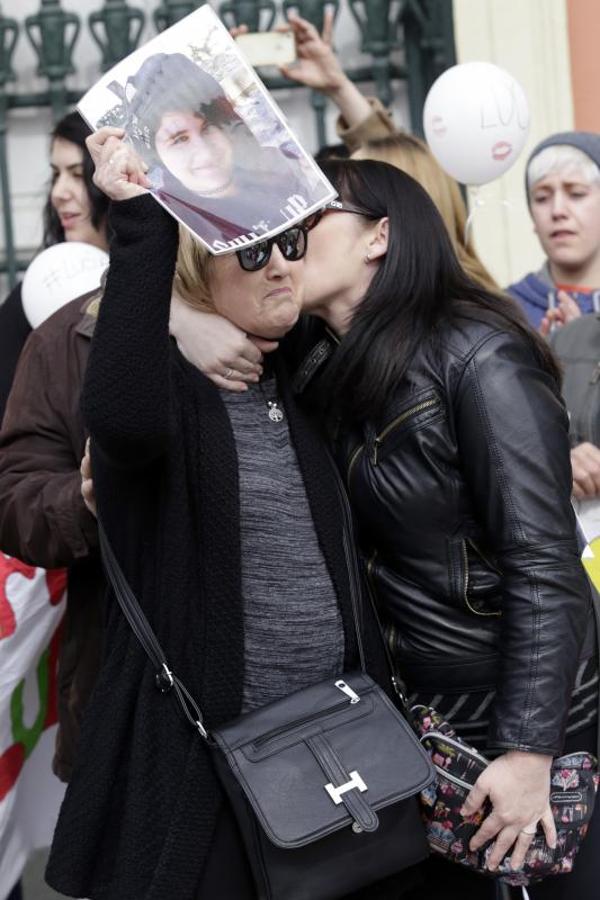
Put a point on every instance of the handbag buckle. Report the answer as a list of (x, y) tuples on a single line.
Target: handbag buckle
[(336, 793), (164, 679)]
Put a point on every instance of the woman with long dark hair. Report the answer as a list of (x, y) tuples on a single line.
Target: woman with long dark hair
[(453, 439), (75, 210), (450, 430)]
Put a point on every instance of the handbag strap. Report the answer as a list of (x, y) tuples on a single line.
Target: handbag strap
[(351, 556), (165, 678)]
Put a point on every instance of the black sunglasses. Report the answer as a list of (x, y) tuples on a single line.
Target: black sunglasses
[(292, 244), (333, 206)]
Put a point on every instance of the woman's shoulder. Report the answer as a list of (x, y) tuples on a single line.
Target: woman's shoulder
[(471, 334)]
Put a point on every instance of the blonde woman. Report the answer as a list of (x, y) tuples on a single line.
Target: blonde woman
[(222, 511)]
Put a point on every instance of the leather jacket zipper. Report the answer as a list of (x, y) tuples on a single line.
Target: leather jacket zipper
[(426, 404), (472, 609), (388, 636), (379, 438)]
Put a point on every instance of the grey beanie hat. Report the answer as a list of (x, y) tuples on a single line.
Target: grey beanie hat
[(586, 141)]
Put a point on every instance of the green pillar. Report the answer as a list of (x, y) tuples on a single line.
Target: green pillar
[(378, 29), (53, 33), (429, 48), (171, 11), (116, 28), (248, 12), (314, 12), (9, 33)]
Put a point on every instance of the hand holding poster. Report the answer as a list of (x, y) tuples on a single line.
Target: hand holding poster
[(220, 157)]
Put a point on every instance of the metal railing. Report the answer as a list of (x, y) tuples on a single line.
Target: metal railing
[(418, 31)]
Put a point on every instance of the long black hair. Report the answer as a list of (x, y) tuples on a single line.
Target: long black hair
[(72, 128), (418, 286)]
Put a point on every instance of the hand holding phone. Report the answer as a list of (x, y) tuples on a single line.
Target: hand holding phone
[(268, 48)]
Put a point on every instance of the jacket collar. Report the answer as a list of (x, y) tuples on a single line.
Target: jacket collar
[(89, 313)]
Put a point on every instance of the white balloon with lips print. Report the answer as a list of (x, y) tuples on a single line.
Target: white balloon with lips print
[(476, 121)]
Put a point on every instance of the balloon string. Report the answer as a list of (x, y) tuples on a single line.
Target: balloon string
[(475, 202)]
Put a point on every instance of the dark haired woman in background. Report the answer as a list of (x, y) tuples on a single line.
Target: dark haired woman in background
[(454, 442), (75, 210)]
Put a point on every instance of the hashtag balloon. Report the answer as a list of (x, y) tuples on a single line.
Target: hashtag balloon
[(59, 274)]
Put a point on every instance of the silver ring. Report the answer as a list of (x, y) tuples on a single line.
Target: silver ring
[(228, 373), (529, 833)]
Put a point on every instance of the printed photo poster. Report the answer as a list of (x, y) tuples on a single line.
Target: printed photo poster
[(32, 604), (220, 154)]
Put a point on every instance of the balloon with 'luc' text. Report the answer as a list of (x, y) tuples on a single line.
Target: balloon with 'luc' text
[(476, 121)]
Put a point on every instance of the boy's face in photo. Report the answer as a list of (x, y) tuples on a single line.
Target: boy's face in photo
[(197, 153), (565, 208)]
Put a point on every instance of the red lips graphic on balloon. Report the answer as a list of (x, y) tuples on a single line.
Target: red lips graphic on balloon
[(501, 150)]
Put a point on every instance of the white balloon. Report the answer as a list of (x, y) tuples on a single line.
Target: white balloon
[(59, 274), (476, 121)]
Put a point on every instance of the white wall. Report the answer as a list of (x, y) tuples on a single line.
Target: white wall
[(528, 38), (28, 129)]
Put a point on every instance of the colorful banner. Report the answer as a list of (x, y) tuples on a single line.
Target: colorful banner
[(32, 603)]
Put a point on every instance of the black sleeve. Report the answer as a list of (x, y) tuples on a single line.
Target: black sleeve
[(126, 397), (512, 432), (14, 331)]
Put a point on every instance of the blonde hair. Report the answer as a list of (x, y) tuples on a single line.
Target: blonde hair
[(413, 156), (561, 159), (192, 272)]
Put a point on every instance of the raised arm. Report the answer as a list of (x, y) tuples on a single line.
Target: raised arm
[(126, 398)]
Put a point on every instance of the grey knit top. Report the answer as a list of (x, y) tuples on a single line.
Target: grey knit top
[(293, 632)]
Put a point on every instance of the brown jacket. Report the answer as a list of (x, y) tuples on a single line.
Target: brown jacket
[(43, 520), (378, 125)]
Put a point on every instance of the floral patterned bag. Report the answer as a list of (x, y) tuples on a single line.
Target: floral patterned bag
[(574, 782)]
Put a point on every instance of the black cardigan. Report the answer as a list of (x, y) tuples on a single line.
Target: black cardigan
[(138, 817)]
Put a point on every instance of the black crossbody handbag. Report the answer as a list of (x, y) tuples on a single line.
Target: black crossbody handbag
[(323, 784)]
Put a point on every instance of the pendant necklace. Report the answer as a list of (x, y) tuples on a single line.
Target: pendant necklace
[(275, 412)]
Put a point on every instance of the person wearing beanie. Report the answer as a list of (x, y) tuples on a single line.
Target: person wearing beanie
[(204, 162), (563, 192)]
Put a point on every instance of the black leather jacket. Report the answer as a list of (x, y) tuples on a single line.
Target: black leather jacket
[(462, 494)]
